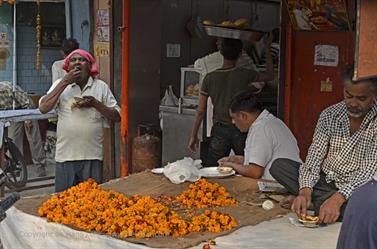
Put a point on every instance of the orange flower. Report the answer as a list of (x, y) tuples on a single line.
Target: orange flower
[(88, 207), (203, 194)]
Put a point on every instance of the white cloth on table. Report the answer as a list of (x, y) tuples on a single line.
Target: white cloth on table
[(21, 230)]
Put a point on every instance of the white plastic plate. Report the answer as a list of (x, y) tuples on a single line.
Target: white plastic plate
[(158, 170), (212, 172)]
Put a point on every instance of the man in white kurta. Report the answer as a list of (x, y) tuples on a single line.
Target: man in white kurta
[(84, 104)]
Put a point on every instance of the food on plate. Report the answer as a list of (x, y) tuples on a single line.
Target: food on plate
[(203, 194), (224, 169), (309, 219), (242, 23), (208, 22), (227, 24), (78, 102)]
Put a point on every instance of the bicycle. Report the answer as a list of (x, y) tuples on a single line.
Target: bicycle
[(14, 167)]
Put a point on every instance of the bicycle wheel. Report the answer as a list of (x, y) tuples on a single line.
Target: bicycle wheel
[(15, 167)]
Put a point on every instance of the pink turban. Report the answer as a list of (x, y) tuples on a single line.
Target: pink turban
[(93, 70)]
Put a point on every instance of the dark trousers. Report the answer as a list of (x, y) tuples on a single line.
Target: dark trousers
[(71, 173), (223, 139), (286, 172), (359, 227)]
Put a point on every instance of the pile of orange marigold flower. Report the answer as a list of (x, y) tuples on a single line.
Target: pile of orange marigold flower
[(203, 194), (212, 221), (87, 206)]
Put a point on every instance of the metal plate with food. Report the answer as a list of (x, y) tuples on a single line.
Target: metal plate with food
[(228, 32), (213, 172)]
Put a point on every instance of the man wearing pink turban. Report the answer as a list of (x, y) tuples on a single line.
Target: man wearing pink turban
[(84, 105)]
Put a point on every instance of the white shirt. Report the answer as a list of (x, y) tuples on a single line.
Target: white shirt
[(215, 61), (57, 70), (80, 131), (268, 139)]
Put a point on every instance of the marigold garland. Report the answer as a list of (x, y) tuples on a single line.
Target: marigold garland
[(38, 38), (87, 206)]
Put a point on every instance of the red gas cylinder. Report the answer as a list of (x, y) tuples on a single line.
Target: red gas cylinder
[(146, 151)]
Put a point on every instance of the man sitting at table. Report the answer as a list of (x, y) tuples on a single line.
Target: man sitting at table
[(268, 138), (16, 129), (342, 156)]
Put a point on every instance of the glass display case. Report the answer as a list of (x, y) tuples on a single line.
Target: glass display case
[(190, 86)]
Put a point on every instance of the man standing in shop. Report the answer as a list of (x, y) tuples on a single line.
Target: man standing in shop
[(68, 45), (84, 104), (221, 85)]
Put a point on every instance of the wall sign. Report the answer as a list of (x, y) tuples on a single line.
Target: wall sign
[(102, 49), (102, 25), (326, 55), (103, 17), (326, 85), (173, 50)]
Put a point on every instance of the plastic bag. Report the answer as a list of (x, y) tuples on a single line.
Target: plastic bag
[(169, 98), (183, 170)]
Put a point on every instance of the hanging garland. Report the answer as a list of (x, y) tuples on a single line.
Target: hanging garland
[(38, 36)]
